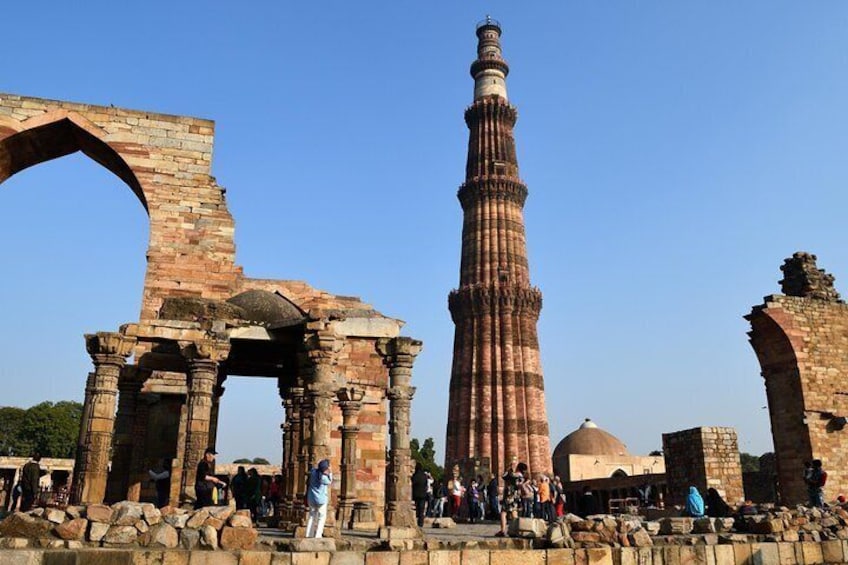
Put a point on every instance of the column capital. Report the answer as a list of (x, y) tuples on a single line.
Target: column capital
[(205, 351), (350, 395), (109, 348), (399, 351), (401, 394)]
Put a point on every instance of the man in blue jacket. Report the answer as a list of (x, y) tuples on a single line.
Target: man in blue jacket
[(318, 497)]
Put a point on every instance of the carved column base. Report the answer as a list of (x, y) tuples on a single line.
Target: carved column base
[(400, 515), (363, 517)]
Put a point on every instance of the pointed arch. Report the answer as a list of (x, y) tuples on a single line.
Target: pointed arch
[(56, 134)]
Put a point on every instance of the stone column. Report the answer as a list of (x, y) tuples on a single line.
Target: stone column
[(129, 387), (350, 401), (217, 393), (399, 353), (109, 351), (202, 359), (321, 350)]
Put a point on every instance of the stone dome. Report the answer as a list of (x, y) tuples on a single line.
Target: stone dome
[(589, 439), (268, 308)]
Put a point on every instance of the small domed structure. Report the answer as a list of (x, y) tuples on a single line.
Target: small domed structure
[(587, 440)]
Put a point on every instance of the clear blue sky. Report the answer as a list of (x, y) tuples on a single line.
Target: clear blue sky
[(675, 152)]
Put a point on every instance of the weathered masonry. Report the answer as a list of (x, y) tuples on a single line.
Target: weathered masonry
[(342, 368), (801, 340), (497, 394)]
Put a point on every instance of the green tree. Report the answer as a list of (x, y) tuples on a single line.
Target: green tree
[(426, 455), (10, 425), (51, 429), (750, 463), (260, 461), (242, 461)]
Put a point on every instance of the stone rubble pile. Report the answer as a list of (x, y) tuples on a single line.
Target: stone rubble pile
[(129, 524)]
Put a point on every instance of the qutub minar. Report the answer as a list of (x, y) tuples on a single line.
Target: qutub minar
[(497, 398)]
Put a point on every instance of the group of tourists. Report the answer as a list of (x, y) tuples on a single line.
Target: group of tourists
[(247, 488), (714, 506)]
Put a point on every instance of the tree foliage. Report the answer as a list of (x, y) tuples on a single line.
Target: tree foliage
[(750, 463), (50, 429), (426, 455), (254, 461)]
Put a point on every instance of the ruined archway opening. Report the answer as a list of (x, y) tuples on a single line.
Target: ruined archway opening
[(73, 246)]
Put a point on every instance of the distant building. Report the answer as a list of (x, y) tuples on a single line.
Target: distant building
[(594, 458)]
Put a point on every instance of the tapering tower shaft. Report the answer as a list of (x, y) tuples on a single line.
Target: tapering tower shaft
[(497, 400)]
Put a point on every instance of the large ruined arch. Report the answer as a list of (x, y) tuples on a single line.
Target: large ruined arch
[(56, 135), (775, 341)]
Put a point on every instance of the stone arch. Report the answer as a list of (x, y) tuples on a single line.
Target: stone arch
[(777, 342), (619, 473), (56, 134)]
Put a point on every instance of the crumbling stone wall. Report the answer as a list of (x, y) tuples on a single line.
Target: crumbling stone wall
[(704, 458), (165, 160), (800, 340)]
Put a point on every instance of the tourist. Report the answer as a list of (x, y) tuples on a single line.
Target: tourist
[(430, 493), (254, 492), (161, 477), (239, 488), (694, 507), (275, 494), (492, 496), (456, 492), (473, 499), (559, 499), (205, 480), (815, 484), (318, 496), (546, 498), (527, 494), (481, 501), (30, 476), (586, 504), (16, 495), (511, 501), (716, 506), (441, 494), (419, 493)]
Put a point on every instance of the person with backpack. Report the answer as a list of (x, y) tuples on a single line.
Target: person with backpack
[(318, 497)]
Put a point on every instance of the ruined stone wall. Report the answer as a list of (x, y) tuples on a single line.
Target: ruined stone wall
[(704, 458), (165, 160), (800, 341)]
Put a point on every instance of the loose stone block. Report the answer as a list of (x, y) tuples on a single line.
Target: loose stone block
[(189, 539), (121, 535), (72, 529), (96, 531), (99, 513), (313, 545), (237, 538), (208, 537)]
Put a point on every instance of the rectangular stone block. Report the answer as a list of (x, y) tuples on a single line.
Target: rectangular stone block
[(832, 551), (446, 558), (724, 555), (595, 555), (255, 558), (811, 552), (101, 556), (786, 554), (560, 557), (414, 558), (347, 558), (475, 557), (284, 558), (312, 558), (765, 553), (693, 555), (382, 558), (742, 554), (212, 558), (20, 557)]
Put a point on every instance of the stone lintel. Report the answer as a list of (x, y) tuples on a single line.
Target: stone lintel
[(367, 327)]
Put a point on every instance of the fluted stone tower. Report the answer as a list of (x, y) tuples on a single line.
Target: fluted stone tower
[(497, 398)]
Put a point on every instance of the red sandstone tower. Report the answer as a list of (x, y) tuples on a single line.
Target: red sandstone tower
[(497, 398)]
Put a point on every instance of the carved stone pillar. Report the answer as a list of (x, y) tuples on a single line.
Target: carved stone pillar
[(217, 393), (321, 349), (202, 359), (350, 401), (109, 352), (294, 472), (129, 387), (399, 353), (138, 462)]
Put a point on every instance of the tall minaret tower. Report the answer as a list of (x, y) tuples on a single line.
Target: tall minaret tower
[(497, 397)]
